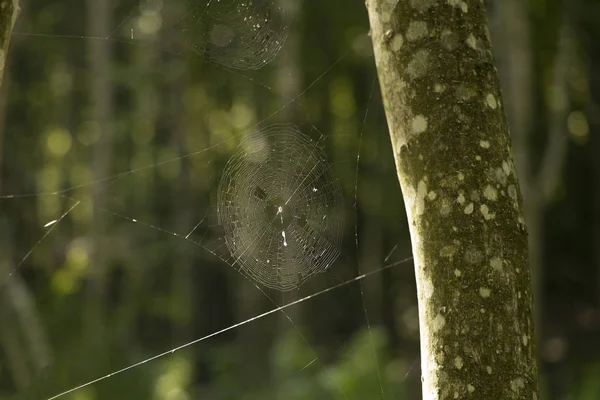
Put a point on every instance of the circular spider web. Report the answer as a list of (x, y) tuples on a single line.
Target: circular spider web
[(239, 34), (281, 208)]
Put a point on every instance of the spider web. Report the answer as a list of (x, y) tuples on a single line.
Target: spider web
[(204, 232), (280, 185), (236, 34)]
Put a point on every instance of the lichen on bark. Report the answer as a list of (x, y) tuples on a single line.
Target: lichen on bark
[(8, 16), (453, 156)]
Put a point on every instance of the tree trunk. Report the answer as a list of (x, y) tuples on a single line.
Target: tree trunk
[(8, 16), (453, 158)]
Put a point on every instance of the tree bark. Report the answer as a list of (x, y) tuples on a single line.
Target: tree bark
[(454, 162), (8, 16)]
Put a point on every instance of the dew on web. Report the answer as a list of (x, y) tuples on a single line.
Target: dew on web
[(268, 189)]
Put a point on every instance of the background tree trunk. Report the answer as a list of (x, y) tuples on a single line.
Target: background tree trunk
[(22, 336), (453, 157), (101, 112), (539, 180)]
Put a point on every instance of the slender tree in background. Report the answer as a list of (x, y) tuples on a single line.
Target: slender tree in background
[(454, 163), (22, 337), (99, 24), (539, 180), (8, 16)]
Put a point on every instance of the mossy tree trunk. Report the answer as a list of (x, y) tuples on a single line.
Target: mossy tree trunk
[(8, 15), (453, 157)]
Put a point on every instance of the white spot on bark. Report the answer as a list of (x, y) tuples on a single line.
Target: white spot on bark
[(445, 207), (461, 198), (485, 211), (525, 340), (461, 176), (449, 39), (448, 251), (517, 384), (418, 64), (459, 3), (512, 192), (496, 263), (472, 42), (491, 101), (457, 273), (478, 157), (419, 124), (469, 209), (438, 322), (470, 388), (490, 193), (397, 42), (427, 289), (489, 369), (416, 30), (409, 194), (485, 144), (458, 362), (420, 200), (464, 92), (506, 168), (439, 88), (473, 256), (484, 292), (431, 195)]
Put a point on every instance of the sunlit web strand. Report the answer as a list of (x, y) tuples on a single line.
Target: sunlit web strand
[(51, 225), (257, 317), (278, 307), (362, 294)]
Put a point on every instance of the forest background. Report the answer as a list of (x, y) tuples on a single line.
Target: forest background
[(111, 153)]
